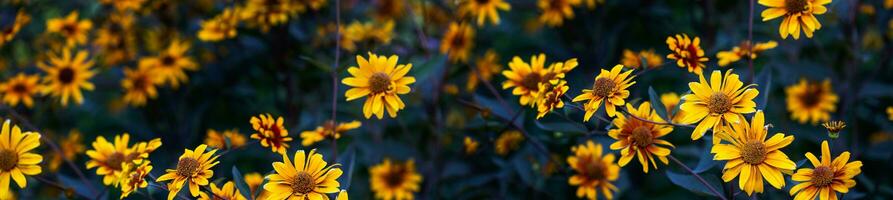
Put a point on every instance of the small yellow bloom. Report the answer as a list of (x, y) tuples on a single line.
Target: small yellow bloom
[(193, 170), (253, 180), (471, 145), (550, 97), (308, 177), (751, 157), (394, 180), (687, 52), (798, 14), (110, 158), (228, 192), (264, 14), (828, 177), (810, 101), (139, 86), (124, 5), (170, 65), (743, 51), (634, 60), (457, 42), (526, 78), (219, 139), (7, 33), (554, 12), (595, 171), (507, 142), (326, 131), (74, 31), (481, 11), (271, 132), (134, 177), (20, 88), (637, 137), (486, 67), (609, 89), (387, 10), (380, 79), (16, 160), (890, 113), (71, 146), (66, 75), (220, 27), (714, 104), (671, 100)]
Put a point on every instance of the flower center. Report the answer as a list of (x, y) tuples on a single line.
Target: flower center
[(167, 60), (303, 183), (719, 103), (19, 88), (69, 29), (811, 97), (753, 152), (642, 136), (822, 176), (532, 81), (379, 83), (141, 83), (115, 160), (8, 159), (329, 128), (66, 75), (482, 2), (603, 87), (187, 167), (395, 177), (595, 170), (796, 6)]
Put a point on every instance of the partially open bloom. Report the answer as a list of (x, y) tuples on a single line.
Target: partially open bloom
[(687, 52), (225, 139), (828, 177), (171, 64), (834, 128), (74, 31), (550, 97), (308, 177), (20, 88), (394, 180), (554, 12), (10, 31), (70, 146), (637, 60), (226, 192), (110, 158), (139, 86), (271, 132), (220, 27), (527, 77), (380, 79), (595, 171), (637, 137), (751, 157), (134, 177), (714, 104), (193, 170), (811, 101), (16, 160), (484, 10), (471, 145), (744, 50), (327, 131), (66, 75), (457, 42), (485, 67), (798, 14), (507, 142), (609, 89)]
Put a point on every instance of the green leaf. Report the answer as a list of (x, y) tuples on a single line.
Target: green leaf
[(240, 184), (764, 83), (560, 124), (657, 104), (691, 183)]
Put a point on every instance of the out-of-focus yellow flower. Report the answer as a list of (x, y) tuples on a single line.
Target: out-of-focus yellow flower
[(798, 14), (116, 39), (527, 77), (20, 88), (271, 132), (485, 66), (481, 11), (66, 75), (751, 157), (308, 177), (872, 39), (171, 64), (264, 14), (888, 4), (193, 170), (9, 32), (595, 171), (810, 101), (222, 26), (471, 145), (507, 142), (394, 180), (717, 103), (637, 137), (357, 32), (134, 177), (328, 130), (109, 158), (609, 89), (687, 52), (71, 146), (253, 180), (314, 4), (387, 10), (635, 60), (16, 160), (124, 5), (828, 177), (457, 42), (591, 4), (74, 31), (554, 12), (381, 80), (671, 101), (218, 139), (742, 51), (867, 9), (139, 86), (890, 113), (226, 192)]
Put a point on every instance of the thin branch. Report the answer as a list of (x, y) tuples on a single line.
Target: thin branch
[(335, 75), (700, 179), (750, 41)]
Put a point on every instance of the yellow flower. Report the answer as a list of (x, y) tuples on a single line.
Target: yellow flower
[(220, 27), (609, 88), (526, 78), (264, 14), (381, 80), (394, 180), (134, 177), (228, 192), (595, 171), (888, 4), (671, 101), (109, 158), (637, 137), (890, 113), (74, 31), (71, 146), (590, 4), (116, 39), (67, 75), (485, 66), (170, 64), (743, 51), (342, 195), (386, 10), (827, 178), (219, 139), (20, 88), (16, 160), (634, 60), (9, 32), (798, 14), (124, 5), (508, 141), (471, 145), (687, 52), (751, 157), (457, 42), (314, 4), (721, 101), (193, 170), (327, 130), (811, 101), (139, 86), (555, 11), (253, 180), (307, 178), (357, 32), (550, 97), (271, 132), (483, 10)]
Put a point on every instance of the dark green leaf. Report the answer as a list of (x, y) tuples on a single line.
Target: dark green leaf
[(691, 183), (239, 180), (764, 84), (657, 104)]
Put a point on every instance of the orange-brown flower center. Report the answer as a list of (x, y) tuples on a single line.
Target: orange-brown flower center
[(753, 152), (531, 81), (168, 61), (66, 75), (303, 183), (379, 82), (115, 160), (19, 88), (719, 103), (482, 2), (642, 136), (796, 6), (812, 96), (8, 159), (69, 28), (594, 169), (603, 87), (395, 177), (187, 167), (822, 176)]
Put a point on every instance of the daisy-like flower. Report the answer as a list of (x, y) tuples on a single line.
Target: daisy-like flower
[(308, 177), (507, 142), (20, 88), (550, 97), (743, 50), (74, 31), (798, 14), (671, 101), (264, 14), (380, 79), (116, 39), (225, 139), (193, 170), (109, 158), (554, 12), (595, 171), (9, 32), (66, 75), (591, 4), (810, 101), (834, 128), (485, 67), (70, 145), (220, 27), (388, 10), (721, 101), (124, 5), (16, 160), (527, 77), (751, 157), (471, 145), (457, 42), (394, 180), (636, 137), (139, 86), (271, 132), (828, 177), (170, 65), (326, 131), (687, 52), (482, 10), (226, 192), (610, 89), (134, 177), (647, 58)]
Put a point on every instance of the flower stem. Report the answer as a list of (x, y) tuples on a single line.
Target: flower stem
[(700, 179)]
